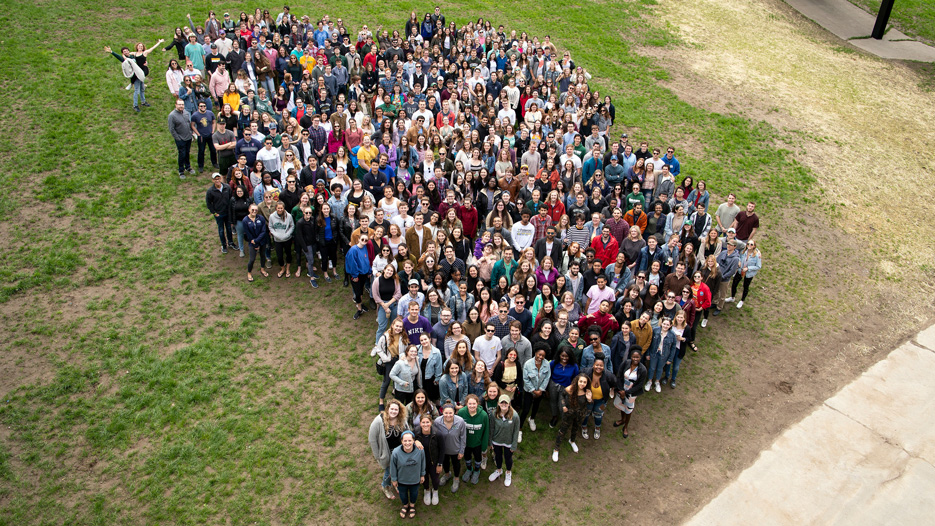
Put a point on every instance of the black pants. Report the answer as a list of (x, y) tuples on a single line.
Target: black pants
[(431, 477), (501, 453), (225, 162), (184, 148), (530, 407), (735, 282), (405, 398), (281, 247), (451, 463), (202, 143), (254, 250), (329, 254), (359, 287), (472, 453)]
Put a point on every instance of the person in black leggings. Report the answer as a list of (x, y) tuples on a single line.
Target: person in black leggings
[(256, 236), (536, 374), (329, 232)]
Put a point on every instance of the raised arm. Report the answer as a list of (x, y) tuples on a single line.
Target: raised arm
[(150, 50)]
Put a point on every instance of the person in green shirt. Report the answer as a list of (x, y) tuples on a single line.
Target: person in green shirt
[(635, 197), (477, 424)]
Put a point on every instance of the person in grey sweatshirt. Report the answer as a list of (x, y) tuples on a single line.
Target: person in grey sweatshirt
[(407, 471), (180, 126), (281, 227), (453, 433)]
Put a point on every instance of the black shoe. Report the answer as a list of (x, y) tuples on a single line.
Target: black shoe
[(717, 312), (618, 424), (625, 434), (136, 109), (553, 422), (373, 304), (357, 314), (215, 165), (223, 250), (146, 104), (364, 308)]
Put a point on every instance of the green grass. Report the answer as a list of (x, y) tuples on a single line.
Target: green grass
[(916, 18), (176, 397)]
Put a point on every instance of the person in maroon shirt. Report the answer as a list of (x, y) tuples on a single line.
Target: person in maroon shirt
[(746, 223), (468, 216)]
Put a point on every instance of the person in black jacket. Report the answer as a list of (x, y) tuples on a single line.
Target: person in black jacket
[(331, 234), (239, 208), (630, 381), (306, 238), (432, 446), (218, 199)]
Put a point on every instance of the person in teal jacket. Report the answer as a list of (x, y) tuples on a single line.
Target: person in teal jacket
[(477, 424)]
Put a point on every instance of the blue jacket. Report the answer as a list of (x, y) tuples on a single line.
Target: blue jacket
[(669, 345), (674, 167), (374, 183), (620, 286), (446, 389), (260, 190), (646, 260), (255, 230), (753, 263), (728, 263), (356, 262), (433, 369), (587, 358), (536, 379)]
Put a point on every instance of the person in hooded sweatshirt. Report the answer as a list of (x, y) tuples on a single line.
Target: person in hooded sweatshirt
[(407, 471), (453, 433)]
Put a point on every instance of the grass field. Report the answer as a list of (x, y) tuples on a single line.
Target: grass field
[(916, 18), (144, 382)]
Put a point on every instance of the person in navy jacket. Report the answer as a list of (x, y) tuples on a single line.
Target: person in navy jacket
[(661, 351), (256, 235)]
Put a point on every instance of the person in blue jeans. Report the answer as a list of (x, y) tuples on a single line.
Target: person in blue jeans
[(662, 350), (602, 390), (180, 126)]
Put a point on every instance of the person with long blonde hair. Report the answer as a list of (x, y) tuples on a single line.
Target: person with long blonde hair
[(384, 436), (390, 345)]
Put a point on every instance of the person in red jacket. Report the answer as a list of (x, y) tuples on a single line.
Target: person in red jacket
[(605, 247), (701, 297), (469, 218), (602, 319)]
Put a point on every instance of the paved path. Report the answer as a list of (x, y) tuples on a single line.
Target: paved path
[(853, 24), (864, 457)]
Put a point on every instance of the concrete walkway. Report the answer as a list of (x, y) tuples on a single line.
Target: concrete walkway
[(866, 456), (853, 24)]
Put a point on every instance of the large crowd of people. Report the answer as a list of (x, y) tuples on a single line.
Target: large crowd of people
[(512, 248)]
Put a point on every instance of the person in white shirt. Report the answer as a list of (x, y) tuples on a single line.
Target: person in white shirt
[(507, 112), (425, 114), (487, 348), (403, 220), (269, 156), (523, 232), (570, 155)]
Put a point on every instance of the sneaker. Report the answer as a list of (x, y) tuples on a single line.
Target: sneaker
[(584, 434), (455, 485), (508, 480), (494, 476), (444, 479), (475, 476), (427, 498), (729, 300), (658, 388), (327, 279), (574, 447), (704, 323), (136, 109), (672, 385), (597, 433), (388, 491), (740, 304), (555, 456), (182, 176), (467, 475), (357, 315), (269, 263), (191, 171), (223, 250), (241, 253), (553, 422), (532, 424), (129, 87), (364, 308), (483, 462), (717, 312), (519, 439), (649, 385), (314, 283), (434, 497), (147, 105)]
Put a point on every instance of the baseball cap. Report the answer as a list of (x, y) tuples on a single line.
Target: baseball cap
[(215, 175), (413, 282), (732, 230)]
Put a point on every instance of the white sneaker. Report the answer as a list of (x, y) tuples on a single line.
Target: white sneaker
[(434, 497), (555, 456), (740, 304), (584, 434), (129, 87), (532, 424), (427, 499), (574, 447), (519, 439), (597, 433), (729, 300), (649, 385), (445, 478), (455, 485), (494, 476), (508, 479), (388, 491), (658, 388), (704, 323), (483, 462)]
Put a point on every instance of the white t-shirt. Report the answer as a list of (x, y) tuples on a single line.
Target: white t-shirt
[(487, 350), (523, 235)]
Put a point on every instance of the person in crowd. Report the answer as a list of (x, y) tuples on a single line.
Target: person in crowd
[(385, 436), (407, 473), (452, 431), (504, 436), (477, 437), (573, 403)]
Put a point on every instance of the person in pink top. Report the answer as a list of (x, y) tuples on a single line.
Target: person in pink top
[(597, 294)]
